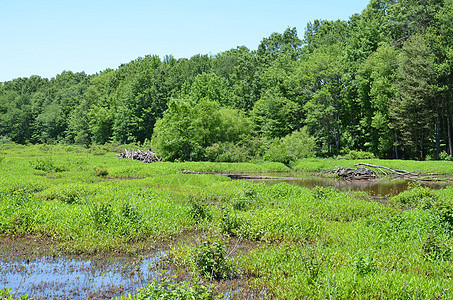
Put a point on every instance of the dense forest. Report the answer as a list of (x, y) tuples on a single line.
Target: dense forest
[(381, 83)]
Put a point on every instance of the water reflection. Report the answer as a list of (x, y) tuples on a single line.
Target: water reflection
[(374, 188), (63, 278)]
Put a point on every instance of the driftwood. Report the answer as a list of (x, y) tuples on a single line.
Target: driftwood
[(144, 156), (354, 174), (241, 176)]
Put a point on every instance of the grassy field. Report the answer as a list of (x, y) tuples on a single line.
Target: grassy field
[(280, 241)]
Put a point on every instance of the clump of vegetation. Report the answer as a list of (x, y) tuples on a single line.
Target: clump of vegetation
[(434, 248), (211, 259), (101, 172), (48, 165), (5, 294), (167, 288), (101, 214), (299, 144), (364, 263), (199, 210), (445, 156)]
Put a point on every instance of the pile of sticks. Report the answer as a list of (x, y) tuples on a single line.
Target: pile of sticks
[(144, 156), (354, 174)]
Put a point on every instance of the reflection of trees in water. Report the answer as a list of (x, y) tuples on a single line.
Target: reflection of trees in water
[(374, 187)]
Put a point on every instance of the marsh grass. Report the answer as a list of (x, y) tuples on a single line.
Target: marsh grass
[(316, 244)]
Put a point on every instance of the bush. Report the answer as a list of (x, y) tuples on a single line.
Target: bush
[(211, 259), (444, 156), (296, 145), (227, 152)]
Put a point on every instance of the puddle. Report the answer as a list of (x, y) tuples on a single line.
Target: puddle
[(66, 278), (377, 188)]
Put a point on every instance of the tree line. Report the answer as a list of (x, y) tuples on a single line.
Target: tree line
[(380, 82)]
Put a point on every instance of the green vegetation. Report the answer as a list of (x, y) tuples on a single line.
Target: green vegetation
[(282, 240), (378, 84)]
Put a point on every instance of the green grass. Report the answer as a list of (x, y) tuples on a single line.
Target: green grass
[(318, 243)]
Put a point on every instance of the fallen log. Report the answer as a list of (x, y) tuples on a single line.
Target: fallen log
[(143, 156)]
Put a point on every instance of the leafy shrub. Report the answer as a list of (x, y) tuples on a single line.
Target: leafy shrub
[(211, 258), (227, 152), (5, 140), (229, 223), (444, 156), (299, 144)]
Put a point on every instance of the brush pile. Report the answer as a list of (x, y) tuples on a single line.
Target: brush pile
[(144, 156), (354, 174)]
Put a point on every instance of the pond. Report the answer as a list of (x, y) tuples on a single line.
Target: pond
[(76, 278), (376, 188)]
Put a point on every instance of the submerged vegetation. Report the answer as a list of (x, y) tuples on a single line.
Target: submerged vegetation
[(279, 240)]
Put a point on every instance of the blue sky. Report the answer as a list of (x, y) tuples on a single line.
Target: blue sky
[(46, 37)]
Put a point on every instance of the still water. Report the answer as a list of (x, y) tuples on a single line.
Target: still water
[(66, 278), (377, 188)]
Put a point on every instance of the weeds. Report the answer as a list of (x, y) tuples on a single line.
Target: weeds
[(101, 214), (167, 288), (433, 248), (47, 165), (198, 210), (211, 258), (364, 263)]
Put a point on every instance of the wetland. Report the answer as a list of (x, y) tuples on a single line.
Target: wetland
[(73, 227)]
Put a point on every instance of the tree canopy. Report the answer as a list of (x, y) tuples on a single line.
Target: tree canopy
[(380, 82)]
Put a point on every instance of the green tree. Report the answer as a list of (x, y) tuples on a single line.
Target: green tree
[(375, 91), (412, 111), (275, 116)]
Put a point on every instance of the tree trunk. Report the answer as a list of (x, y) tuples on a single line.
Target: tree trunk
[(449, 127)]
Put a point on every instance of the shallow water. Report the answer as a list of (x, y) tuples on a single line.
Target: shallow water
[(66, 278), (377, 188)]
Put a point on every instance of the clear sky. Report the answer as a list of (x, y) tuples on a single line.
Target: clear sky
[(46, 37)]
